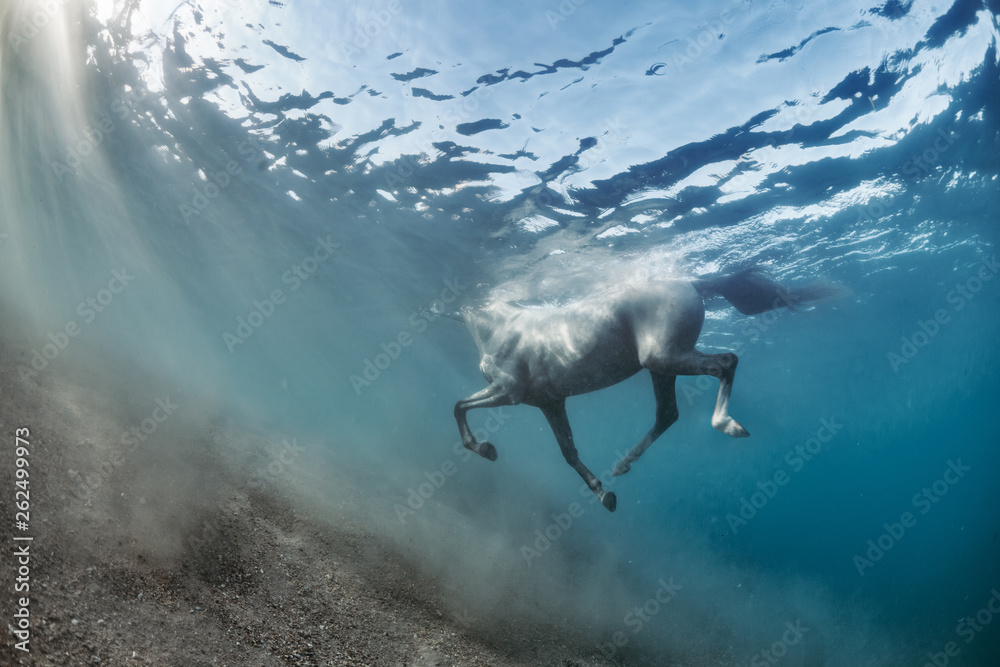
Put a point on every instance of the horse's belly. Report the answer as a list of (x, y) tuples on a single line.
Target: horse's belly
[(554, 376)]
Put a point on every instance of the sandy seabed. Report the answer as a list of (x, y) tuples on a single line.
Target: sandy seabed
[(161, 553)]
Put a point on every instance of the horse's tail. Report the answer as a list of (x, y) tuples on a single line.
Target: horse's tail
[(752, 291)]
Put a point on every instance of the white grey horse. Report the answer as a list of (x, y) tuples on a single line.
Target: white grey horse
[(540, 356)]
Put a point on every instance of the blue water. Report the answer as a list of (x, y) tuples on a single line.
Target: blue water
[(288, 186)]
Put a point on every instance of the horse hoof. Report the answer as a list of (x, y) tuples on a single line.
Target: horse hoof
[(737, 431), (732, 428), (610, 500), (488, 451), (621, 468)]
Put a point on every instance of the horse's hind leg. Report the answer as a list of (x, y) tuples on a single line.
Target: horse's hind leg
[(555, 413), (490, 397), (666, 414), (722, 366)]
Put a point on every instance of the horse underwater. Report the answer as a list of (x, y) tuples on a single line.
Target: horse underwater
[(542, 355)]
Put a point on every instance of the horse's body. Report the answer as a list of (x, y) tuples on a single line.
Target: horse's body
[(541, 356)]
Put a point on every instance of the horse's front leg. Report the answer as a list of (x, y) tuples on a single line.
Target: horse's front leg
[(491, 397), (555, 413)]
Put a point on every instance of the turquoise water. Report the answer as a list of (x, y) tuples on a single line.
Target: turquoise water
[(257, 205)]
